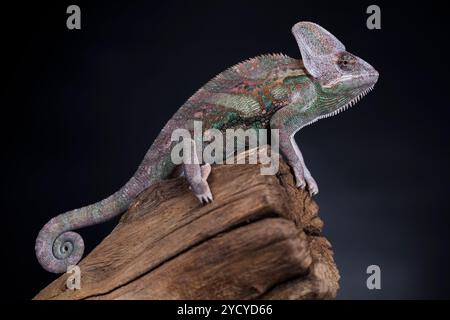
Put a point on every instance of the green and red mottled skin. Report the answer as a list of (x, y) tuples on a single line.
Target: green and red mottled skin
[(269, 91)]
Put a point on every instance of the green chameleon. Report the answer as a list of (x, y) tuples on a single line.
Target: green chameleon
[(269, 91)]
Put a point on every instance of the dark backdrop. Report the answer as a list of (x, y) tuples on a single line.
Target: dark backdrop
[(80, 108)]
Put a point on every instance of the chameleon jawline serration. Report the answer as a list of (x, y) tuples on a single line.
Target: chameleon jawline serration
[(269, 91)]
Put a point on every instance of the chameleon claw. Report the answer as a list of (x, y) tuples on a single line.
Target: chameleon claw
[(209, 197), (205, 198)]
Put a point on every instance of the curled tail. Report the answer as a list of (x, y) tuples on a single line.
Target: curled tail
[(57, 247)]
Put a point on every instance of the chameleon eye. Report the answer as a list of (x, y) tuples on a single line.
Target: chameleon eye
[(344, 62)]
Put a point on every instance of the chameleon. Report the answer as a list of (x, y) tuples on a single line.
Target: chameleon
[(270, 91)]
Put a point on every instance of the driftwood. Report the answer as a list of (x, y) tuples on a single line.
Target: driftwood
[(259, 239)]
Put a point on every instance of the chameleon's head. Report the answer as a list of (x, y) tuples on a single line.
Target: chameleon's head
[(338, 72)]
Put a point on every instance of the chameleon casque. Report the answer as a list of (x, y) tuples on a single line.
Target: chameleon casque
[(269, 91)]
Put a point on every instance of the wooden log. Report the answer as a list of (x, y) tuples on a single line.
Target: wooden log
[(259, 239)]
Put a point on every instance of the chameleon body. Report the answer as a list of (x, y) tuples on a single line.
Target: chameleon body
[(269, 91)]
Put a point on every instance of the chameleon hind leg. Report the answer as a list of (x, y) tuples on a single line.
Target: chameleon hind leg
[(197, 176)]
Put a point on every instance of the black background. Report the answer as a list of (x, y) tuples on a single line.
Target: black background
[(80, 108)]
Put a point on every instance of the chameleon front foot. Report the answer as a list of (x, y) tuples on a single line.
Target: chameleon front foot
[(310, 182), (312, 185), (303, 178)]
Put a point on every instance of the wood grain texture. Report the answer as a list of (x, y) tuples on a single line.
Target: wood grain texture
[(259, 239)]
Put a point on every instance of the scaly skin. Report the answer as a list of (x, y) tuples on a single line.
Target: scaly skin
[(269, 91)]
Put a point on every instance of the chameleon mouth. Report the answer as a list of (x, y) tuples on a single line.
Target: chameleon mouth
[(346, 106)]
